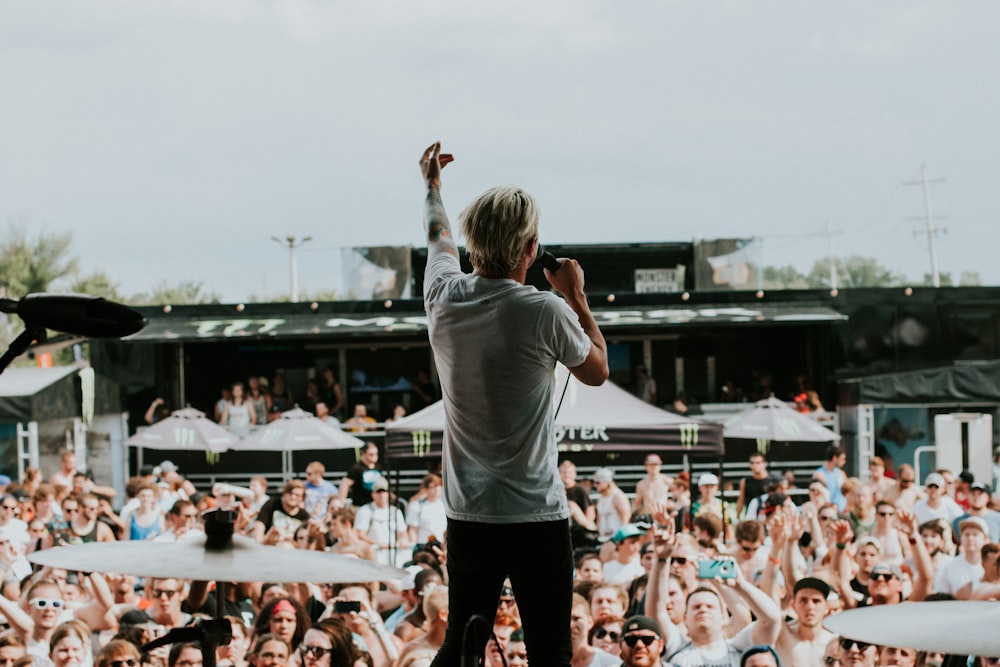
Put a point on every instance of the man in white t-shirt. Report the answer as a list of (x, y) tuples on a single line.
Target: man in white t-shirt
[(496, 342), (967, 567), (426, 518), (938, 504), (384, 526), (625, 566), (14, 530)]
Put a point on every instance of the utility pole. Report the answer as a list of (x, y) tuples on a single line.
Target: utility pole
[(929, 229), (834, 277), (290, 240)]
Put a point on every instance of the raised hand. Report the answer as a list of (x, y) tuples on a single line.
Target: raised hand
[(906, 522), (432, 162)]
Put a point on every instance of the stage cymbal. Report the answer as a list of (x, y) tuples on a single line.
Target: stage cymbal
[(241, 560), (958, 628)]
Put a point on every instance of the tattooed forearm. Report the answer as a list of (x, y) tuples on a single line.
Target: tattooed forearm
[(435, 218)]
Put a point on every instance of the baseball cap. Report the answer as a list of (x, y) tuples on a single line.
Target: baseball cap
[(812, 584), (604, 475), (980, 486), (864, 541), (135, 617), (168, 466), (934, 479), (708, 479), (635, 623), (627, 531), (974, 522), (380, 484), (4, 480), (888, 568)]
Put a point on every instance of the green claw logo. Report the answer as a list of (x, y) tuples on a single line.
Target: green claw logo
[(689, 436), (421, 443)]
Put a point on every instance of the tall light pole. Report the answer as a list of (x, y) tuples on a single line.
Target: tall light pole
[(290, 240)]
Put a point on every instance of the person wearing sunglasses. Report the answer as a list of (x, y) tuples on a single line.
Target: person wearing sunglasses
[(328, 643), (704, 617), (580, 625), (938, 504), (853, 653), (118, 653), (46, 609), (12, 528), (642, 642), (606, 634), (383, 525)]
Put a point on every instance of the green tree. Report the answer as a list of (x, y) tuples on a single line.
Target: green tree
[(784, 277), (945, 278), (854, 271), (96, 284), (185, 292), (32, 264), (970, 279)]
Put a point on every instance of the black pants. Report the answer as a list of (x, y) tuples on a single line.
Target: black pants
[(539, 561)]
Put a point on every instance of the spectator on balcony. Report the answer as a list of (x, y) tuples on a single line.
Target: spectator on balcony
[(239, 414), (360, 421), (329, 391)]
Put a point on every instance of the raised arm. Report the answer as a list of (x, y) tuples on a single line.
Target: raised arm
[(664, 542), (569, 281), (439, 236), (923, 565)]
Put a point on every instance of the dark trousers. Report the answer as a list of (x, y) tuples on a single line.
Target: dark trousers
[(539, 561)]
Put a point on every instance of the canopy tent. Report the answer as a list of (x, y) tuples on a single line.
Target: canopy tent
[(186, 429), (296, 431), (774, 420), (590, 419), (28, 394)]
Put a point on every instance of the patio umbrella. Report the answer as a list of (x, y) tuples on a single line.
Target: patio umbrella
[(296, 431), (772, 419), (184, 430)]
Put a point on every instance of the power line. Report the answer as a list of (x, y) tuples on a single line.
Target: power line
[(929, 229)]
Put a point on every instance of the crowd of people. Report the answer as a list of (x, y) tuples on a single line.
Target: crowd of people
[(245, 405), (663, 575)]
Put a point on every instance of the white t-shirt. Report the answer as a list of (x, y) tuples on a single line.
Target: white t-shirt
[(16, 532), (623, 573), (428, 517), (604, 659), (723, 653), (496, 343), (373, 521), (948, 510), (956, 573)]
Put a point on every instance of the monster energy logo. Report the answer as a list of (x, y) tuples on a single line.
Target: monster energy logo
[(421, 443), (184, 436), (689, 436)]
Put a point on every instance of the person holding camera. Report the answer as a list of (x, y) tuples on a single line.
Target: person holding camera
[(496, 342), (704, 617)]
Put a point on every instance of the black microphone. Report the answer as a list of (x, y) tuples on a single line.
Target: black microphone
[(79, 314), (546, 259), (208, 632)]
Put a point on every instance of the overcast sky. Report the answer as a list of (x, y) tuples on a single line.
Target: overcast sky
[(175, 138)]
